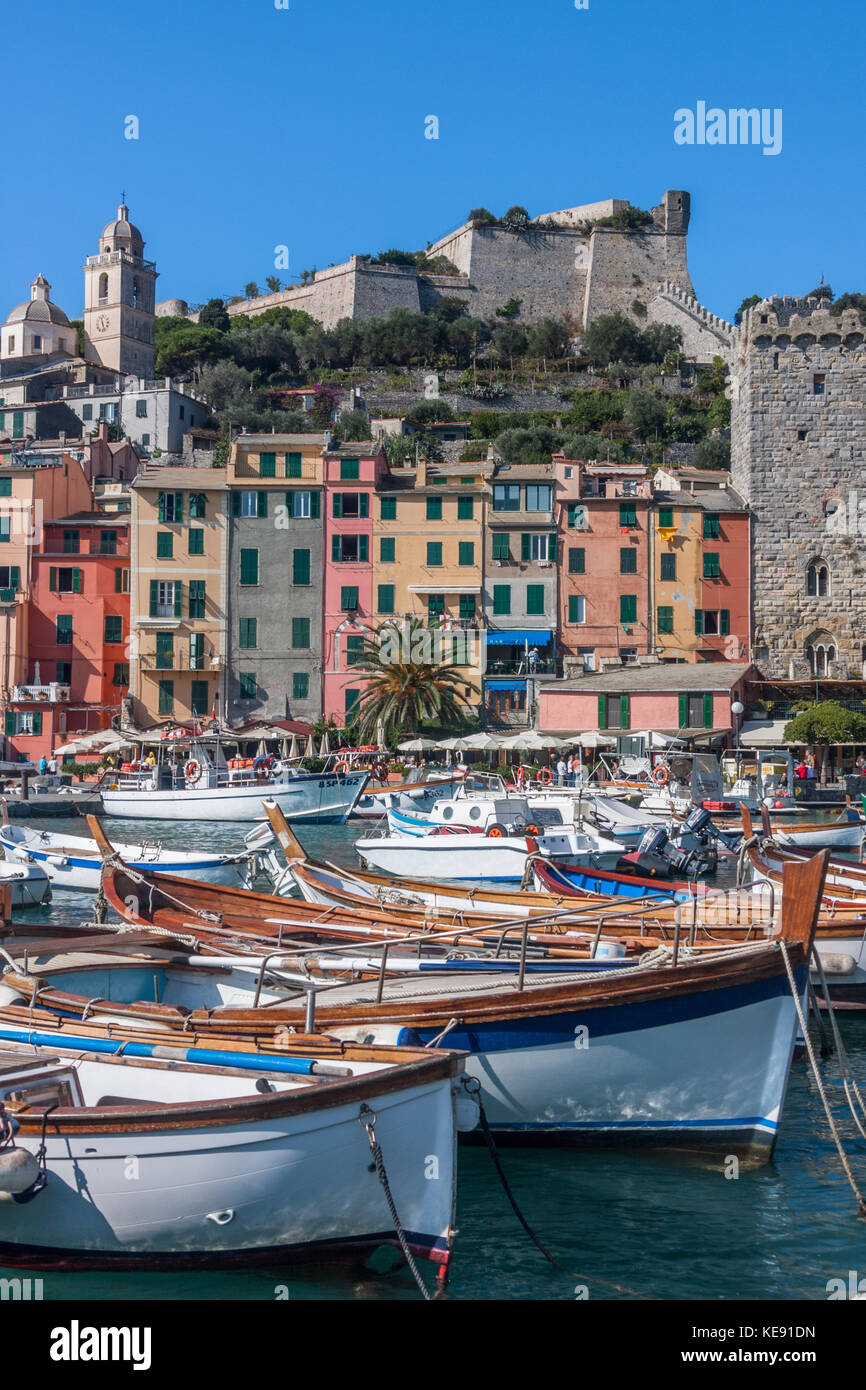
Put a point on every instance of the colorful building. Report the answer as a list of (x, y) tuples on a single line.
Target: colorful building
[(275, 569), (78, 657), (700, 576), (603, 558), (351, 476), (178, 593)]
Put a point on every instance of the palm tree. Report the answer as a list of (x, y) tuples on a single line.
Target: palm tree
[(406, 684)]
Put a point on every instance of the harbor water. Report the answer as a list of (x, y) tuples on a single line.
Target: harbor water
[(625, 1224)]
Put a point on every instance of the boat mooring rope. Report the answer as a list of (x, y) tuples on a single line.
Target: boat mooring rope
[(813, 1063), (367, 1120), (849, 1081)]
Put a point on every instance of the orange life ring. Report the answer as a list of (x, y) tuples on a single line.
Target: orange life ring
[(545, 776), (661, 776), (342, 766), (533, 829), (192, 771)]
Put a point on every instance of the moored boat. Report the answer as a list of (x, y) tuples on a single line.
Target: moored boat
[(75, 861)]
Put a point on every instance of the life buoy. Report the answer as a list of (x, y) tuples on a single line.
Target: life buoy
[(342, 766), (532, 829), (261, 770), (661, 776), (545, 776), (496, 831), (192, 771)]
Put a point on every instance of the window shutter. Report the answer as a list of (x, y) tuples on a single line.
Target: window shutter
[(337, 504), (52, 579), (602, 711), (178, 598), (76, 580), (261, 504), (15, 577), (363, 548), (118, 581), (708, 711), (725, 625), (236, 504), (161, 504), (154, 596), (525, 543), (684, 711), (699, 622), (37, 722), (315, 509), (623, 712), (335, 548), (9, 725), (178, 506), (551, 546), (365, 504)]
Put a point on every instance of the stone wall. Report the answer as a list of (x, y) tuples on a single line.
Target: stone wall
[(798, 448), (704, 334)]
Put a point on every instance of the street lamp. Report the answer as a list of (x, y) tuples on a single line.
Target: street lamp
[(737, 709)]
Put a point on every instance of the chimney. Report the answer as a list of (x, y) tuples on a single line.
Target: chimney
[(102, 431)]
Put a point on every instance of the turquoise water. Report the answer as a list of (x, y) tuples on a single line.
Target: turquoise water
[(627, 1225)]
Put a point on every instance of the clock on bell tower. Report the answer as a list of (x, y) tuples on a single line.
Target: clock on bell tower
[(119, 297)]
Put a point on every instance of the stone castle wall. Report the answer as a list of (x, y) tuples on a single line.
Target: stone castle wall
[(798, 450)]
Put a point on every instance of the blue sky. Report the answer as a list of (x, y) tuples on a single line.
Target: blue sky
[(305, 127)]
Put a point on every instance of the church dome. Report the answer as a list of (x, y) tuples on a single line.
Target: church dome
[(39, 308), (122, 229)]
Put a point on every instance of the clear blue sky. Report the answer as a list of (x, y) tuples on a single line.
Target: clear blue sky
[(305, 126)]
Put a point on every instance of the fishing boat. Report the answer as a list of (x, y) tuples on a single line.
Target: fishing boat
[(133, 1155), (205, 786), (689, 1048), (844, 832), (493, 857), (29, 884), (74, 861)]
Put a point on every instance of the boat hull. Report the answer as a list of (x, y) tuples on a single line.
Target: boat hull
[(316, 799), (67, 865)]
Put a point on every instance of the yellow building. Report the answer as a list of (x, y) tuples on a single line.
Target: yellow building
[(178, 596), (428, 557)]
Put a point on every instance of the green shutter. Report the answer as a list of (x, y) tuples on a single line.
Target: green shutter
[(267, 465), (666, 517), (708, 711), (684, 711), (501, 598), (178, 598), (602, 711), (623, 712), (466, 553), (315, 505), (335, 548), (699, 622), (236, 503), (293, 466), (551, 546), (261, 504), (37, 722), (178, 506), (76, 580), (385, 600), (525, 547), (9, 724), (363, 548), (365, 504), (161, 506), (154, 597), (725, 626), (388, 508), (387, 550), (465, 508), (301, 567), (628, 608), (337, 504), (535, 599), (576, 560), (118, 581), (52, 579), (249, 566), (15, 577)]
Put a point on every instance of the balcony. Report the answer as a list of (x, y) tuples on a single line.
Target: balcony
[(518, 666), (51, 694), (179, 659)]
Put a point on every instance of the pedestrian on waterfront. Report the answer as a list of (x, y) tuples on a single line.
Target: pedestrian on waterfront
[(561, 770), (52, 765), (43, 765)]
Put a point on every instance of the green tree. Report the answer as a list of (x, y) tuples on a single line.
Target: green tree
[(646, 413), (748, 303), (181, 346), (714, 452), (406, 684), (548, 338), (482, 216), (215, 315), (352, 426), (516, 218), (274, 284), (822, 724), (251, 290), (511, 340), (612, 338)]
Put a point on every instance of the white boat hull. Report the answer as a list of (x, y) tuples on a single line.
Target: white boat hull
[(313, 798), (74, 862), (31, 885)]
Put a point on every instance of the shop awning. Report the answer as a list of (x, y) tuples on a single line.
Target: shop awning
[(516, 637), (505, 685)]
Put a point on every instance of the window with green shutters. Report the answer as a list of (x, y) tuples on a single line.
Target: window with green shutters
[(5, 487), (711, 565), (195, 541), (120, 676), (64, 581), (249, 503), (576, 608), (387, 549), (249, 567), (294, 466), (388, 508), (668, 565), (535, 598), (197, 506), (466, 553), (349, 598), (434, 554), (665, 619), (199, 697), (300, 566), (64, 630), (247, 632), (385, 598), (300, 685), (501, 547), (350, 504), (108, 543), (113, 628), (666, 517), (465, 508), (602, 711), (121, 580), (575, 515), (300, 632), (303, 504), (627, 514), (349, 549), (196, 651), (267, 465), (434, 508), (708, 711), (197, 598), (725, 621), (624, 715), (351, 698), (170, 507), (164, 651), (71, 542), (628, 608), (354, 649), (467, 606), (711, 526), (628, 560), (166, 697), (247, 681), (576, 559), (164, 545), (5, 528), (350, 470), (435, 605), (501, 598), (17, 424)]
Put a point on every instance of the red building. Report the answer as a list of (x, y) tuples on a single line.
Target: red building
[(78, 634)]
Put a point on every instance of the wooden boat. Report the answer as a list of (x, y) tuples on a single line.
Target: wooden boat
[(651, 1072), (177, 1158), (845, 832)]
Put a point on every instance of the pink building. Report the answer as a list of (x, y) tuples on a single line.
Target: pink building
[(351, 474), (692, 700)]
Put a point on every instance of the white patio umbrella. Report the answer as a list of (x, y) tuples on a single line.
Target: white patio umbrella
[(481, 741), (417, 745), (293, 748), (310, 750), (591, 738), (325, 748)]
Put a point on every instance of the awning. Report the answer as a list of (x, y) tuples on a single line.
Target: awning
[(764, 733), (505, 685), (536, 637)]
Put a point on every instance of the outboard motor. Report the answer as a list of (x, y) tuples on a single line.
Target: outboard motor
[(650, 858), (699, 822)]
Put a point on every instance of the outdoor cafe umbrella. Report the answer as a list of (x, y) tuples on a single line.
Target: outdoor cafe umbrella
[(591, 738), (310, 750), (417, 745), (325, 748)]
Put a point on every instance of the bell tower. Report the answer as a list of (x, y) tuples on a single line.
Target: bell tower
[(119, 297)]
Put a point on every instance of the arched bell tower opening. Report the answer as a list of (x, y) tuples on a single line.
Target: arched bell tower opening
[(119, 299)]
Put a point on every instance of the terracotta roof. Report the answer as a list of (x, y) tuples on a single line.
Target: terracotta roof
[(702, 675)]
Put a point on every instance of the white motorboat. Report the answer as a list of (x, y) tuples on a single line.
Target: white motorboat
[(31, 885), (261, 1159), (498, 858), (74, 861)]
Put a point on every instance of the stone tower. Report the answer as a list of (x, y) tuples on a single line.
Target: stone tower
[(798, 450), (119, 297)]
